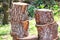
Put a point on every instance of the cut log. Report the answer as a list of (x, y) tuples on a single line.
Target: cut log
[(43, 16), (19, 20), (48, 31)]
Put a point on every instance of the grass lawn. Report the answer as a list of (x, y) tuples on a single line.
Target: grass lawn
[(5, 30), (57, 19)]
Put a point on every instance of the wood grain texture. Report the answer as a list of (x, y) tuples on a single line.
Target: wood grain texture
[(19, 20)]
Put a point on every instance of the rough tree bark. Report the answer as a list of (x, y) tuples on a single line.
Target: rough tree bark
[(47, 28), (47, 31), (19, 20), (43, 16)]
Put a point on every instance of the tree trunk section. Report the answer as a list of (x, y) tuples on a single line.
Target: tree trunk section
[(19, 20), (47, 28), (47, 31)]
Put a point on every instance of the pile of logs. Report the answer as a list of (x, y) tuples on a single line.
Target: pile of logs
[(46, 26)]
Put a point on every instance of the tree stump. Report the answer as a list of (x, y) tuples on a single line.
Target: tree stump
[(47, 28), (47, 31), (19, 20)]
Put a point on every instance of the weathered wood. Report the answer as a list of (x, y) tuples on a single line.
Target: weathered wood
[(43, 16), (19, 20), (47, 31), (33, 37)]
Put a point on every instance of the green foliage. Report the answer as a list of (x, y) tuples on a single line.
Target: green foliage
[(41, 6), (56, 9), (31, 10), (45, 2), (38, 2)]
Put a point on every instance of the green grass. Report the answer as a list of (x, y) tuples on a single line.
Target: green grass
[(56, 18), (32, 27), (59, 29), (5, 32), (5, 37), (4, 29)]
